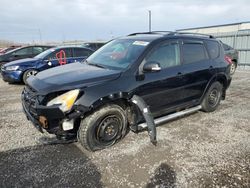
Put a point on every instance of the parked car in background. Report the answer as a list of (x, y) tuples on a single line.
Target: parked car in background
[(134, 82), (22, 52), (20, 70), (93, 45), (233, 54), (5, 50)]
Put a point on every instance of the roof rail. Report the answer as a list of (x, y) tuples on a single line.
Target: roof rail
[(195, 34), (141, 33), (151, 32), (171, 33)]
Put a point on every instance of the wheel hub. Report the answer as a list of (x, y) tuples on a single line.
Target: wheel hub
[(232, 68), (213, 97), (31, 73), (108, 129)]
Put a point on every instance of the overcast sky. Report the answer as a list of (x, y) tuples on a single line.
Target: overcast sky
[(58, 20)]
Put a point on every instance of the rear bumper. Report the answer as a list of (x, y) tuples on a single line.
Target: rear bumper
[(11, 76)]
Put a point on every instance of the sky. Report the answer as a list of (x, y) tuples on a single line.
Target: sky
[(68, 20)]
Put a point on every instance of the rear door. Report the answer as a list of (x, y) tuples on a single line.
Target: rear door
[(21, 54), (197, 69)]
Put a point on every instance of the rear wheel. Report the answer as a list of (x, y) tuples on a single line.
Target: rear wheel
[(28, 73), (102, 128), (233, 68), (212, 98)]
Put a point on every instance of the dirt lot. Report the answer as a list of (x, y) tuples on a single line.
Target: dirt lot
[(201, 150)]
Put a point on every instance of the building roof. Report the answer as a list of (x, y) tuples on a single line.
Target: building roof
[(237, 23)]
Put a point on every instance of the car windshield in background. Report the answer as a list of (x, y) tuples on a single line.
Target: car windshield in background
[(45, 53), (118, 54)]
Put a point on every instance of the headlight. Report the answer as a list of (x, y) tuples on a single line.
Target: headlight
[(66, 100), (12, 68)]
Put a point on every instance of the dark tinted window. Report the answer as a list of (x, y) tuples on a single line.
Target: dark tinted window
[(193, 52), (167, 55), (213, 49), (46, 47), (81, 52), (37, 50), (227, 47), (99, 45), (23, 51)]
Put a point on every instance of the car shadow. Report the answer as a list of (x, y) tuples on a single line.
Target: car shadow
[(164, 176), (48, 166)]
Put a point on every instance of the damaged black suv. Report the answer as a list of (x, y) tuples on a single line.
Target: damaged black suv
[(132, 83)]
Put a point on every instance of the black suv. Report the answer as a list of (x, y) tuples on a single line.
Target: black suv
[(135, 82)]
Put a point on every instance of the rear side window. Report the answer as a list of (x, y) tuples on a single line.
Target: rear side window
[(23, 51), (227, 47), (193, 52), (68, 52), (213, 49), (82, 52), (46, 48), (37, 50)]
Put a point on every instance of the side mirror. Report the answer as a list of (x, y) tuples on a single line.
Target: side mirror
[(151, 66), (48, 62)]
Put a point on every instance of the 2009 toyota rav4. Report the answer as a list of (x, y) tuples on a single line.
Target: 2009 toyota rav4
[(135, 82)]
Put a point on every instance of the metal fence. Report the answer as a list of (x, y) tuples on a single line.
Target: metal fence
[(239, 40)]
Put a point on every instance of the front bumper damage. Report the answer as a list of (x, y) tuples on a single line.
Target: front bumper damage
[(44, 118), (49, 118)]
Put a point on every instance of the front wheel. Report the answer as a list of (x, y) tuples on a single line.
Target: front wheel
[(28, 73), (212, 98), (102, 128)]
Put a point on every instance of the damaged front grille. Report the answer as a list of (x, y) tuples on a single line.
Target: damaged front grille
[(30, 99)]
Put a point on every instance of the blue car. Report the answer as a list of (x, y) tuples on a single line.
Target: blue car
[(20, 70)]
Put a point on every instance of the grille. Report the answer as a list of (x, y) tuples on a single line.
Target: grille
[(30, 98), (2, 68)]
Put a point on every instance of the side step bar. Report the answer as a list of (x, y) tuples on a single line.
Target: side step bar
[(169, 117)]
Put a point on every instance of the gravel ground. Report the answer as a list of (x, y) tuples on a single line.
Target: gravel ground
[(200, 150)]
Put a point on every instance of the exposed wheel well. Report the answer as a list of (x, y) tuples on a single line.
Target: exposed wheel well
[(224, 83)]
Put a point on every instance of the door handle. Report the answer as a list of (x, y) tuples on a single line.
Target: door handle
[(179, 74)]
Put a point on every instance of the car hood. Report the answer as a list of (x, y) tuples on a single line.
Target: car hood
[(26, 61), (71, 76)]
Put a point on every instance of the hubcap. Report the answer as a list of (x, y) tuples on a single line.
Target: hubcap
[(213, 97), (108, 129), (232, 68), (31, 73)]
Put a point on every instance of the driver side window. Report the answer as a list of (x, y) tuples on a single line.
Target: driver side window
[(167, 54)]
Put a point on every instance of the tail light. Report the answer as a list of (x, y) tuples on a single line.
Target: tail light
[(228, 59)]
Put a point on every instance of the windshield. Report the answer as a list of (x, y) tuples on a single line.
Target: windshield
[(118, 54), (45, 53)]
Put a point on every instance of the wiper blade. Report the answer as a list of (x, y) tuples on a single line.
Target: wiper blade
[(97, 65)]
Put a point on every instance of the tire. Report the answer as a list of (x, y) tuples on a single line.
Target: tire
[(103, 128), (212, 97), (233, 68), (28, 73)]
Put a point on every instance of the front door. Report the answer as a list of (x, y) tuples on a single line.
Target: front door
[(162, 90)]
